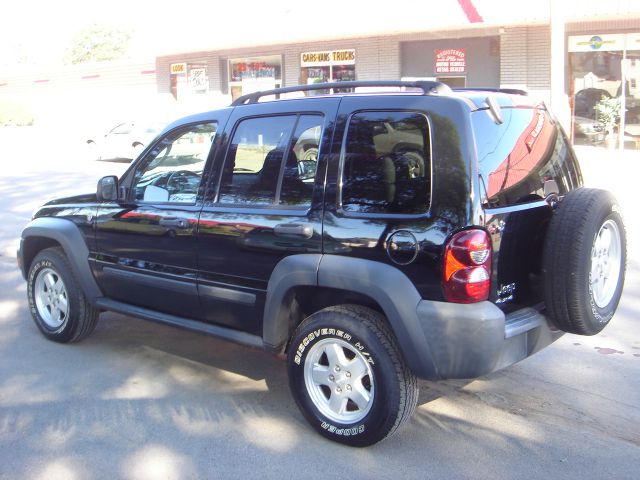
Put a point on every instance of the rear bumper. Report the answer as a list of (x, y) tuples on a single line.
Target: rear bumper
[(467, 341)]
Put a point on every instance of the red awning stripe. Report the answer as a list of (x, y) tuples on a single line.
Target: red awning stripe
[(470, 11)]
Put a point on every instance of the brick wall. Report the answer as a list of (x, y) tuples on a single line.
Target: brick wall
[(82, 76), (525, 58)]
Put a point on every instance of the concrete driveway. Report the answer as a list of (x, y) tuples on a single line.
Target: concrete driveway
[(138, 400)]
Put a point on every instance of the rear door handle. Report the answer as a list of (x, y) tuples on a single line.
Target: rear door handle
[(174, 222), (303, 230)]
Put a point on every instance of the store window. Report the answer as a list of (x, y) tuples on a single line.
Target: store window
[(604, 80), (188, 79), (332, 66), (252, 74)]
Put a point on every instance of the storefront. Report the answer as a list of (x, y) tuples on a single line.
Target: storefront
[(251, 74), (188, 79), (605, 81), (458, 62), (328, 66)]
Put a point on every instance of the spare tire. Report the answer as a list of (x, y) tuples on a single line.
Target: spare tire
[(584, 261)]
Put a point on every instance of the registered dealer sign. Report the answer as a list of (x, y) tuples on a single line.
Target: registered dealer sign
[(452, 60)]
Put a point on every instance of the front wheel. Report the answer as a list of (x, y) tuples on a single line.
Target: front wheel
[(348, 376), (58, 304)]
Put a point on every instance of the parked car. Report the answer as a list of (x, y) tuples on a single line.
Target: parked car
[(589, 130), (465, 253), (586, 100), (123, 142)]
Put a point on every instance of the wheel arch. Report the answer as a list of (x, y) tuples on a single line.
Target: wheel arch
[(303, 284), (44, 233)]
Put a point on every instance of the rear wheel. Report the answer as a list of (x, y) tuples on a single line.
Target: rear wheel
[(58, 305), (584, 261), (348, 377)]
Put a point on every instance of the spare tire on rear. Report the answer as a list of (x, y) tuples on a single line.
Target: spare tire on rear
[(584, 261)]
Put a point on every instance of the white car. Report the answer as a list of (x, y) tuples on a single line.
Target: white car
[(123, 142)]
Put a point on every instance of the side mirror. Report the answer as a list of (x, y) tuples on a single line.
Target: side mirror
[(107, 189)]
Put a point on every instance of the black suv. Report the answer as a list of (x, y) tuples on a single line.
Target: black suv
[(373, 238)]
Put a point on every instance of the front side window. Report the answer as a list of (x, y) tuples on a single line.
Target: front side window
[(386, 163), (272, 161), (172, 171)]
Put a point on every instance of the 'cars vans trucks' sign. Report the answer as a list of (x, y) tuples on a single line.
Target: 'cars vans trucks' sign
[(321, 59), (452, 60)]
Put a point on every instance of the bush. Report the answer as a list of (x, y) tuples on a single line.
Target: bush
[(608, 112)]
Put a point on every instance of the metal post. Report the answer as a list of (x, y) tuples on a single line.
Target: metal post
[(623, 95), (559, 101)]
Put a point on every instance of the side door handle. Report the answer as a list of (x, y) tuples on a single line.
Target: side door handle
[(303, 230), (174, 222)]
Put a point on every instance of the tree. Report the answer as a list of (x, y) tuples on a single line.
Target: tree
[(98, 43)]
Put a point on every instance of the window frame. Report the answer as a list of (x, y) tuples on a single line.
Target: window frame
[(144, 162), (275, 206), (341, 164)]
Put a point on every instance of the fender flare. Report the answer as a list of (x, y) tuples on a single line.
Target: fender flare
[(68, 235), (389, 287), (290, 272)]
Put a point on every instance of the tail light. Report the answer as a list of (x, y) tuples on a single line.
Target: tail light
[(467, 267)]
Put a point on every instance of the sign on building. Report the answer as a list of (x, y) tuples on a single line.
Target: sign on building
[(451, 60), (178, 68), (198, 78), (321, 59)]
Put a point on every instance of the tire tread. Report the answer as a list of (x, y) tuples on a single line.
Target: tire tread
[(562, 263)]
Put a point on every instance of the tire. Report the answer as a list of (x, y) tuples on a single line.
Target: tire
[(584, 261), (57, 303), (348, 353)]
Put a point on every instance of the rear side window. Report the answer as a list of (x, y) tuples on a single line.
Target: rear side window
[(386, 163)]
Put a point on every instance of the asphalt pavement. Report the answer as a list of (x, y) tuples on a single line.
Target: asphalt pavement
[(138, 400)]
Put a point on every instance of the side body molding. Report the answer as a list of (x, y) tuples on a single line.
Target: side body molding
[(67, 234)]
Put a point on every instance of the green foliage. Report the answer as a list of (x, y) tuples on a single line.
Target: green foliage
[(608, 111), (98, 43)]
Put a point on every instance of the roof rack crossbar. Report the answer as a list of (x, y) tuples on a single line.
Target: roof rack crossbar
[(510, 91), (428, 87)]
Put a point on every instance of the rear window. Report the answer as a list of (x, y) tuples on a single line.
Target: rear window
[(386, 163), (517, 157)]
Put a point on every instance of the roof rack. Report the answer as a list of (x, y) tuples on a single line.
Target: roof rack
[(428, 87), (510, 91)]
